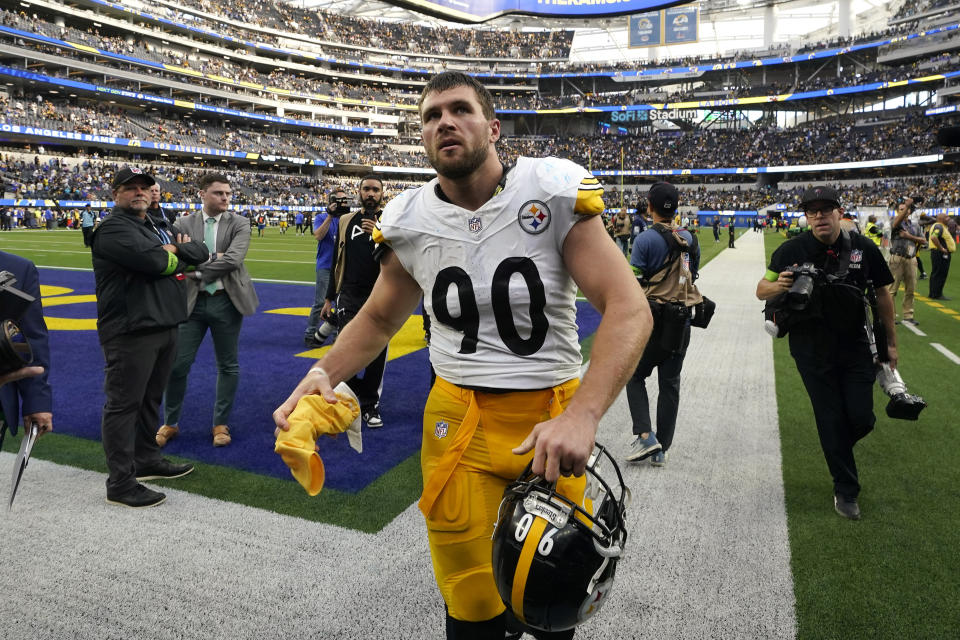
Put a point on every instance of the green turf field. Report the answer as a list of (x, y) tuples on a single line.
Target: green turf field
[(896, 572)]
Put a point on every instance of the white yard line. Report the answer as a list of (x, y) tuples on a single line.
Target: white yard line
[(950, 355)]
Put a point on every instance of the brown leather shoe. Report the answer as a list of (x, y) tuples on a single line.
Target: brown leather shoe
[(221, 435), (166, 433)]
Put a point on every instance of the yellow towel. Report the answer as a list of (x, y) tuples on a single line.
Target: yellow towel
[(312, 418)]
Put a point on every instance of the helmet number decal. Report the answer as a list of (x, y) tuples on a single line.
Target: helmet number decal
[(546, 542), (523, 527), (545, 545)]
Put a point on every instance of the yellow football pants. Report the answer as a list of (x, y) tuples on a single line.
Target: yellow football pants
[(467, 462)]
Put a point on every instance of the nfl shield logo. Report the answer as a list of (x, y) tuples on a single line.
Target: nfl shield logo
[(475, 225), (856, 255), (441, 430)]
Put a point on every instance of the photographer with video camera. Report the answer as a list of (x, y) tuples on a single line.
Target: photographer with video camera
[(24, 349), (325, 227), (355, 270), (821, 277), (906, 239)]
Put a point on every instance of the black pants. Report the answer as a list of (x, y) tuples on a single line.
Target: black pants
[(668, 366), (368, 387), (841, 392), (87, 232), (136, 373), (939, 267)]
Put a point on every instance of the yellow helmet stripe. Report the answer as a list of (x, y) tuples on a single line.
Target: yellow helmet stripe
[(523, 565)]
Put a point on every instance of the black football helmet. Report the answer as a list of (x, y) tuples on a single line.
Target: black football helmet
[(554, 559)]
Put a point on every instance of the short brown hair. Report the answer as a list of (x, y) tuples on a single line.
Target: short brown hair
[(208, 179), (453, 79)]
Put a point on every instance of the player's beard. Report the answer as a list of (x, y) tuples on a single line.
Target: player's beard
[(472, 160)]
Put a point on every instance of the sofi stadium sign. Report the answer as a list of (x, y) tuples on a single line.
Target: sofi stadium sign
[(653, 114)]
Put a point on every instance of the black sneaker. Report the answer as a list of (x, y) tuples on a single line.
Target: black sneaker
[(138, 498), (373, 419), (847, 507), (911, 321), (163, 470)]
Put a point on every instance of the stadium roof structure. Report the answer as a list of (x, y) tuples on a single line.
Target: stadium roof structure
[(431, 11)]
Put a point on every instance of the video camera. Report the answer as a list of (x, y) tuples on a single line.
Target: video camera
[(15, 351), (338, 206)]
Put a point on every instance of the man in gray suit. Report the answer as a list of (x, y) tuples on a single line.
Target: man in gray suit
[(219, 294)]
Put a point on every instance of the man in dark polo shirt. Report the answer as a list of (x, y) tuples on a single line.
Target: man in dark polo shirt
[(828, 339)]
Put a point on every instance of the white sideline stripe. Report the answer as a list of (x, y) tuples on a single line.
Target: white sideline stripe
[(954, 358), (914, 329)]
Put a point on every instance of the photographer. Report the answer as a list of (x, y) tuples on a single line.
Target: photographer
[(828, 339), (666, 260), (355, 272), (325, 228), (29, 394), (903, 257)]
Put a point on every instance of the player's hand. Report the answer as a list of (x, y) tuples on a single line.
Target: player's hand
[(562, 446), (315, 382), (43, 420), (892, 356), (368, 225)]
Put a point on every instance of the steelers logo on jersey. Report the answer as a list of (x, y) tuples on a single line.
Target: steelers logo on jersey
[(534, 216)]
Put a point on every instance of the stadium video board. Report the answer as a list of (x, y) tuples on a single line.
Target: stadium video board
[(676, 25), (483, 10)]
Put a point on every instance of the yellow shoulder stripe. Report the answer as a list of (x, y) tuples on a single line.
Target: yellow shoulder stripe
[(589, 202), (377, 234)]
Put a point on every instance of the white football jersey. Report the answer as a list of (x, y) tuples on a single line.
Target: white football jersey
[(501, 302)]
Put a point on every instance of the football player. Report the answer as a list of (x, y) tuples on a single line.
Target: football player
[(497, 253)]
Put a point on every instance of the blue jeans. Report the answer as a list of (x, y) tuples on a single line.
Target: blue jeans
[(218, 314), (319, 295)]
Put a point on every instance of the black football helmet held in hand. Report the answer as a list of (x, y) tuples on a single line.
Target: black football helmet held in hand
[(554, 559)]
